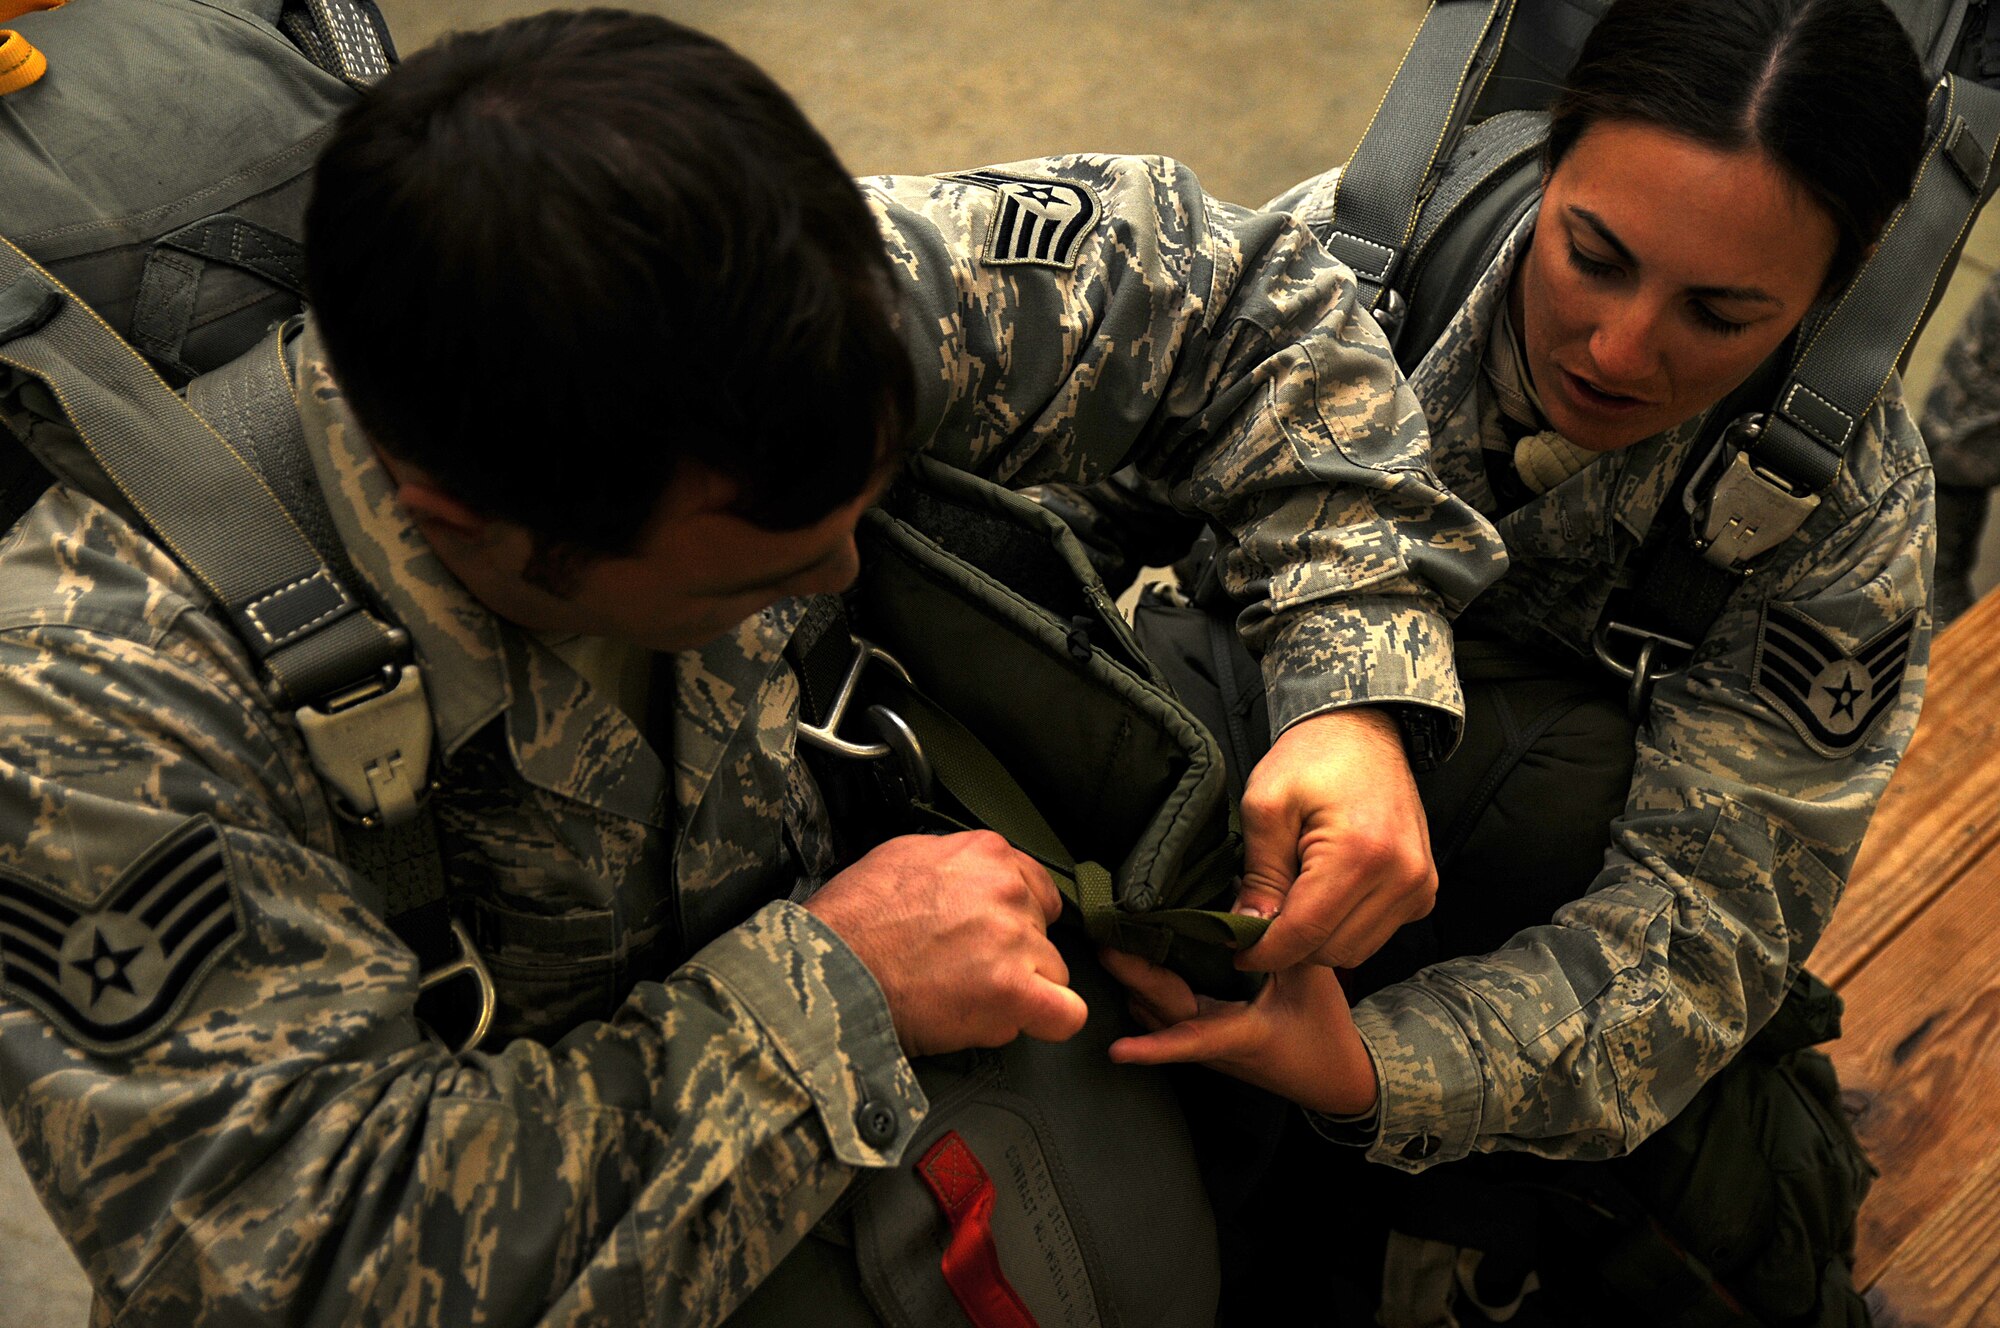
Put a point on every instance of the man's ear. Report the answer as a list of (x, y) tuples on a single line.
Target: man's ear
[(440, 516)]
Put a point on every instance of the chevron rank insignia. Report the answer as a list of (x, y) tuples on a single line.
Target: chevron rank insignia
[(1041, 222), (1830, 697), (113, 977)]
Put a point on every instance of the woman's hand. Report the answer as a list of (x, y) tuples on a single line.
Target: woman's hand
[(1336, 851), (1297, 1039)]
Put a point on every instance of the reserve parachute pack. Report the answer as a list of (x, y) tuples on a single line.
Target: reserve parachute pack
[(1742, 1210), (179, 221)]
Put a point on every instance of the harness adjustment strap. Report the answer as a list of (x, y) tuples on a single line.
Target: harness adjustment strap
[(1382, 189)]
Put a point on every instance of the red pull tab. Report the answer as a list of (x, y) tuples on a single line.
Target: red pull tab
[(971, 1262)]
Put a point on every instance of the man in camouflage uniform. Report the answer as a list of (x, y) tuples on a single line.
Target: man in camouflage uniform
[(209, 1056), (1962, 429)]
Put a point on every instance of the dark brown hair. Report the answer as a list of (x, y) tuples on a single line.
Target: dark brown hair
[(1831, 90), (558, 259)]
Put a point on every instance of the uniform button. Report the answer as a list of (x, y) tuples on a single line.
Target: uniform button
[(1420, 1148), (877, 1122)]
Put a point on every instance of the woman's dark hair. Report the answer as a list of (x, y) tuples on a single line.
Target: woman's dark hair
[(1831, 90), (556, 260)]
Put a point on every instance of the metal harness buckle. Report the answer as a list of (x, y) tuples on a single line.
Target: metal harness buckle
[(372, 743), (895, 737), (468, 964), (1644, 670), (1747, 510)]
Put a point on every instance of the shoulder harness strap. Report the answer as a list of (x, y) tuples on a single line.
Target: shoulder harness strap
[(358, 698), (1765, 473)]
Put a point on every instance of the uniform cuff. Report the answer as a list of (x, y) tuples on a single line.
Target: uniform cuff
[(1365, 653), (826, 1015), (1431, 1089)]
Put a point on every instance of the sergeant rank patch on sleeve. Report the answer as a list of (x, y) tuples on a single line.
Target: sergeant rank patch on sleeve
[(1039, 221), (1831, 698), (113, 977)]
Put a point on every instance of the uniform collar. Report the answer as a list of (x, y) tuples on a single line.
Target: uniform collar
[(563, 736)]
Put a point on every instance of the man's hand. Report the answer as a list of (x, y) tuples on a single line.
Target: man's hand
[(1336, 849), (1297, 1039), (955, 928)]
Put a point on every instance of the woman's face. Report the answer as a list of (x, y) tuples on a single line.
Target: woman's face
[(1661, 273)]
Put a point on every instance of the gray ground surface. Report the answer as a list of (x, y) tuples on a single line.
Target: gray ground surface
[(1255, 94)]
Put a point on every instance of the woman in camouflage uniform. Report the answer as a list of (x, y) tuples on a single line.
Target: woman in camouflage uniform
[(1711, 169)]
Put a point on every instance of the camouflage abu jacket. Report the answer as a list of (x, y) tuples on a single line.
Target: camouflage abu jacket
[(1758, 769), (208, 1057)]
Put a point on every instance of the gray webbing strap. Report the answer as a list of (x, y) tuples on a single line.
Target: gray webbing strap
[(1380, 193), (344, 37), (195, 492), (249, 402), (1854, 350)]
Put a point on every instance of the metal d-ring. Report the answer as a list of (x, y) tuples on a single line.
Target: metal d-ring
[(826, 736), (468, 964), (1641, 673), (901, 740)]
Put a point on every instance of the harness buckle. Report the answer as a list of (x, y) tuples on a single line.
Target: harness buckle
[(467, 964), (372, 743), (1746, 510), (894, 735), (1643, 670)]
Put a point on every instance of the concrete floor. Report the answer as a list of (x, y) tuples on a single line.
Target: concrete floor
[(1254, 94)]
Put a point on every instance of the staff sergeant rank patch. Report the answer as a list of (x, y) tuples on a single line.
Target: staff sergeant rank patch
[(114, 977), (1039, 221), (1830, 697)]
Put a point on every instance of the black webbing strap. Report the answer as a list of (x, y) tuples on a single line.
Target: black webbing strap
[(194, 491), (1381, 189), (164, 311), (23, 480)]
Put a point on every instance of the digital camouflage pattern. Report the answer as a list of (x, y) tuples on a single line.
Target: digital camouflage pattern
[(670, 1098), (1961, 426), (1580, 1038)]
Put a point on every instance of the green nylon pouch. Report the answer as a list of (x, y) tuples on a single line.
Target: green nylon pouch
[(993, 608)]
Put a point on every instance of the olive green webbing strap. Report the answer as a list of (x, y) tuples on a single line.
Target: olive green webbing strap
[(970, 772)]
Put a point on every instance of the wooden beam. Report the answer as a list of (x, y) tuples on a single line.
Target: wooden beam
[(1920, 1061), (1946, 1274)]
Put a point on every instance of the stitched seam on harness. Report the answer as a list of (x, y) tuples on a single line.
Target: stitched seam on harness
[(250, 609), (1382, 265), (1807, 425)]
